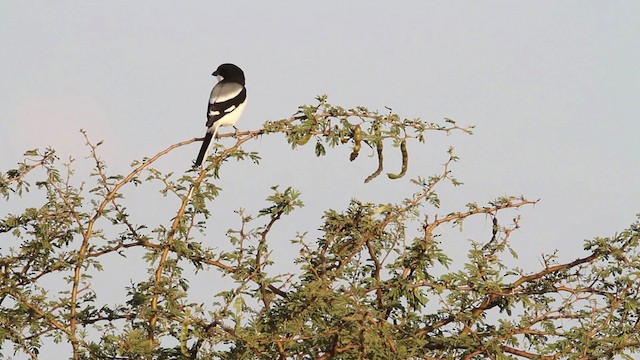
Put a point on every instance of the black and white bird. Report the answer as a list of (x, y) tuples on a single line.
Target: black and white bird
[(226, 103)]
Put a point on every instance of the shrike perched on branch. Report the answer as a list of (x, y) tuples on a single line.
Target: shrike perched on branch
[(226, 103)]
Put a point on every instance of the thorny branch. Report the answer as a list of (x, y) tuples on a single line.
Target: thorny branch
[(346, 290)]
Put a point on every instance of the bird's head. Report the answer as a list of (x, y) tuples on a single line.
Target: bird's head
[(229, 72)]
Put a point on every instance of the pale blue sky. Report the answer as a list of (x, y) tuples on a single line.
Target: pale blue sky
[(552, 88)]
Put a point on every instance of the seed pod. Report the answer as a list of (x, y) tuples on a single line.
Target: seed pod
[(357, 139), (405, 161), (304, 140)]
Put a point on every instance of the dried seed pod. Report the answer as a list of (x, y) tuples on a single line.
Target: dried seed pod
[(405, 161), (357, 140)]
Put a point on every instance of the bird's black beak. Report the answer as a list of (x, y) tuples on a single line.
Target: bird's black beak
[(215, 73)]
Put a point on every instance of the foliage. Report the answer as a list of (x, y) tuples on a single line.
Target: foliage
[(376, 283)]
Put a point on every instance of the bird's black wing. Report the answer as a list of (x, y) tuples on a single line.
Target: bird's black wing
[(225, 97)]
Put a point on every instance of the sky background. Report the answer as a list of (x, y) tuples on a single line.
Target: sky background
[(552, 88)]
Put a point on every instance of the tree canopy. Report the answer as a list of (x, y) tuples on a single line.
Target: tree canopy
[(376, 283)]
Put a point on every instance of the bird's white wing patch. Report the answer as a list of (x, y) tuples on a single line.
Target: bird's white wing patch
[(227, 110), (228, 119)]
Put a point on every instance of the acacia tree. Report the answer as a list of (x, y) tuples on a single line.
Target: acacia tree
[(376, 283)]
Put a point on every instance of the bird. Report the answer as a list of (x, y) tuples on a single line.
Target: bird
[(226, 103)]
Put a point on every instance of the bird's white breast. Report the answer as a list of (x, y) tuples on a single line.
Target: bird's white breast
[(231, 118)]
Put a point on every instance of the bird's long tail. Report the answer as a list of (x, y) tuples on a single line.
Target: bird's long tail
[(204, 149)]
